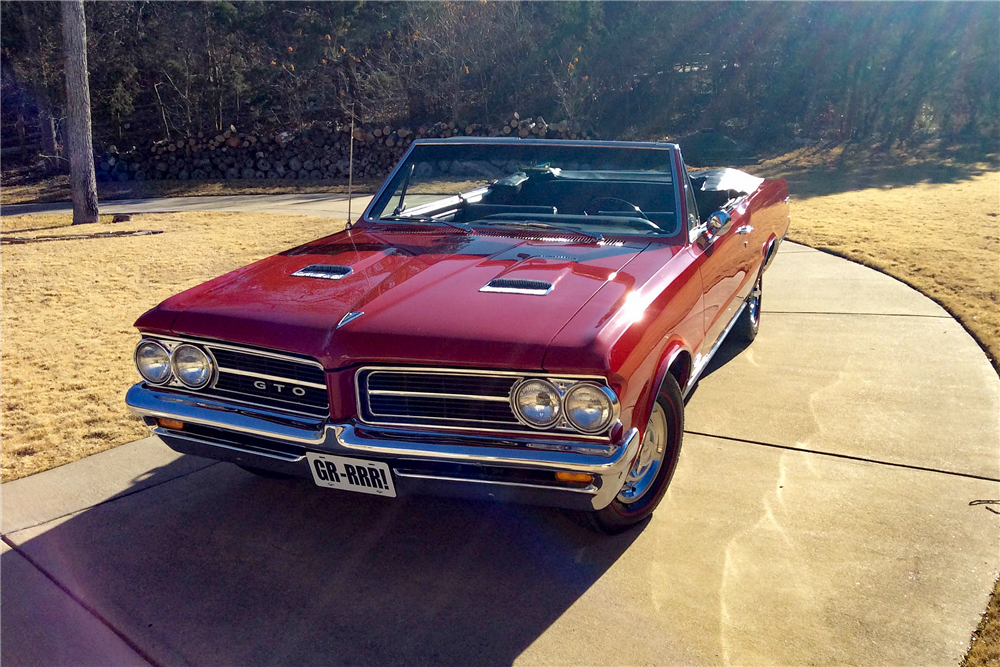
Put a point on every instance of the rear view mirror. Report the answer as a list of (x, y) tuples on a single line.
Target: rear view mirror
[(719, 223)]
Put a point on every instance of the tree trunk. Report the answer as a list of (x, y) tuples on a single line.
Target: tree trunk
[(47, 126), (79, 140), (46, 121)]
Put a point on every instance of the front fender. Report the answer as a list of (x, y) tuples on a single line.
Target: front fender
[(676, 351)]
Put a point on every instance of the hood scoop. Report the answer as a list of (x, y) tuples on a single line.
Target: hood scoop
[(324, 271), (517, 286)]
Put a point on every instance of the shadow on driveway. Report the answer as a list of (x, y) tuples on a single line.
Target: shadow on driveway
[(220, 567)]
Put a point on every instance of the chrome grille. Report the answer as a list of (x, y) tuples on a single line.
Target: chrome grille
[(254, 363), (261, 378), (451, 399), (269, 380), (427, 398)]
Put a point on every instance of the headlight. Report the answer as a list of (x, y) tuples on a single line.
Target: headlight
[(589, 407), (537, 401), (191, 366), (153, 361)]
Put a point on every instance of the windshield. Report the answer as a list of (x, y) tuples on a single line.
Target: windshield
[(593, 190)]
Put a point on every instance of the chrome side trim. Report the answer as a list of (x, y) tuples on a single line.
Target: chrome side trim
[(590, 490), (700, 363), (314, 385)]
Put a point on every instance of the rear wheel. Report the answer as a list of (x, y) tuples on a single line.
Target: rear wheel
[(748, 325), (653, 467)]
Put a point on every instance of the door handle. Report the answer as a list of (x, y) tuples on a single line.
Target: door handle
[(745, 229)]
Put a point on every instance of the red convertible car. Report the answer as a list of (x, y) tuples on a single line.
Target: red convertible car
[(509, 319)]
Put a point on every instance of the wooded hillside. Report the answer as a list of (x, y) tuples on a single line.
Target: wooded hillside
[(766, 74)]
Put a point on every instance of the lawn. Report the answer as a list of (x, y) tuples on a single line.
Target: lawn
[(68, 309)]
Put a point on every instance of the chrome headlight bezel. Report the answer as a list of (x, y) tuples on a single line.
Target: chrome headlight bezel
[(178, 374), (163, 348), (606, 395), (516, 403)]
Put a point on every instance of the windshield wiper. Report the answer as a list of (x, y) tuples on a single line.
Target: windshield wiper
[(527, 224), (425, 219)]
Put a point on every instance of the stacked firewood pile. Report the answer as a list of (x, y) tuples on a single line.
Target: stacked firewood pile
[(321, 151)]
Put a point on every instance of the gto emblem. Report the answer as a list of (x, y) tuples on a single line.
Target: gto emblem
[(278, 387)]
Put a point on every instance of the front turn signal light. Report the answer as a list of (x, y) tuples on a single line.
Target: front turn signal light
[(575, 477), (172, 424)]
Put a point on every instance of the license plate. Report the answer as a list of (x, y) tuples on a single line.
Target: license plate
[(339, 472)]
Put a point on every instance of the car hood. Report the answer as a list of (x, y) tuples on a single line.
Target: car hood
[(417, 292)]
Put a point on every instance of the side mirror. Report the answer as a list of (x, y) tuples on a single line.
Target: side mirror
[(719, 223)]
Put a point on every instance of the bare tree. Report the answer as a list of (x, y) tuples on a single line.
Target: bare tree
[(79, 141)]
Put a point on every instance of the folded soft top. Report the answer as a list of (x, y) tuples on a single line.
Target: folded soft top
[(726, 179)]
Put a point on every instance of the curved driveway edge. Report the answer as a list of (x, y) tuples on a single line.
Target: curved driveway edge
[(820, 514)]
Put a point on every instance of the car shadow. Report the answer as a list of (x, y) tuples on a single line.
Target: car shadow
[(730, 349), (219, 567)]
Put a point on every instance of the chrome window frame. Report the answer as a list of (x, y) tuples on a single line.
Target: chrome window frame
[(672, 148)]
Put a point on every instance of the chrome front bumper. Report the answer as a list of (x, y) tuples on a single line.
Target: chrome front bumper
[(421, 461)]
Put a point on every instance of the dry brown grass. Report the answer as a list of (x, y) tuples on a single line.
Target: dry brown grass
[(68, 309), (932, 222), (57, 189), (942, 239), (984, 650)]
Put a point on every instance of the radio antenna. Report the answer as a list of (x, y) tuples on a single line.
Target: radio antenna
[(350, 170)]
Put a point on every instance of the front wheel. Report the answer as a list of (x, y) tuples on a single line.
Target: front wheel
[(653, 468)]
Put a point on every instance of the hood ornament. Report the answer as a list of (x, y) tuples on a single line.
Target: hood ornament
[(350, 317)]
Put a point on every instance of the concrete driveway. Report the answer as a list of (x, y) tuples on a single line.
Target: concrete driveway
[(823, 511), (331, 205)]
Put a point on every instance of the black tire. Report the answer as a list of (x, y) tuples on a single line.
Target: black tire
[(621, 515), (268, 474), (748, 325)]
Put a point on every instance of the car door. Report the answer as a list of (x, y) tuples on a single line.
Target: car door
[(725, 272)]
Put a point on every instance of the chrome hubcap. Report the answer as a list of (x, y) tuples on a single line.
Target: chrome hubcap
[(754, 305), (648, 461)]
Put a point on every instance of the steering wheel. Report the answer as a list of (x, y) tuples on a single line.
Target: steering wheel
[(599, 205)]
